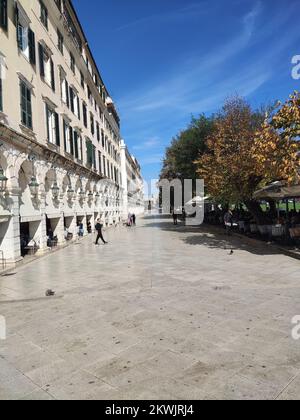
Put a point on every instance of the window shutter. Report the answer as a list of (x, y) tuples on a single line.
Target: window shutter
[(71, 142), (31, 42), (47, 122), (41, 56), (65, 138), (89, 152), (57, 129), (3, 15), (94, 157), (76, 144), (67, 94), (72, 99), (52, 75), (78, 107)]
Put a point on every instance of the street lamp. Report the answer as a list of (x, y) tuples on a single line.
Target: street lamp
[(70, 193), (55, 191), (90, 196), (3, 181), (34, 186), (81, 195)]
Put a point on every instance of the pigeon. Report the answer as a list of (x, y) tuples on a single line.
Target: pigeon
[(50, 293)]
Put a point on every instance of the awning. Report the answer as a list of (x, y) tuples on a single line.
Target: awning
[(277, 191), (197, 200)]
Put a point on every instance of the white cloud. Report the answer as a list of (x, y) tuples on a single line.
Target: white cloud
[(149, 144), (188, 12), (151, 159), (191, 80)]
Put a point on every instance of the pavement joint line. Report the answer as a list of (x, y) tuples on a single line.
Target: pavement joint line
[(290, 383)]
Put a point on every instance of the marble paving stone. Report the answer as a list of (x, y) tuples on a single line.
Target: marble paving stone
[(162, 312)]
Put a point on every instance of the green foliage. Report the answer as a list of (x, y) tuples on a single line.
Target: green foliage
[(186, 147)]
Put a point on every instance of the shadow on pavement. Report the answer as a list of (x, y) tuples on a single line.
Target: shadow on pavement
[(209, 236)]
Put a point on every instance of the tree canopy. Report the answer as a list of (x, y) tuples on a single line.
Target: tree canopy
[(239, 150), (179, 161)]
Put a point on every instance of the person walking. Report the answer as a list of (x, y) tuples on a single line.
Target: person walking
[(175, 218), (129, 220), (98, 228), (80, 230), (228, 220), (134, 220)]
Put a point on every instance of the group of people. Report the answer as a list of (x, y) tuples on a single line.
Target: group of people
[(131, 220)]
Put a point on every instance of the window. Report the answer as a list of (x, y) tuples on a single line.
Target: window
[(100, 162), (74, 102), (90, 153), (26, 107), (78, 146), (72, 62), (104, 165), (58, 4), (90, 96), (103, 139), (64, 86), (3, 15), (82, 80), (98, 132), (68, 138), (46, 66), (25, 36), (44, 15), (52, 120), (92, 124), (60, 42), (84, 111)]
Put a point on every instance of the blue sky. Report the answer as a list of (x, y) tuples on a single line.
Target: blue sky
[(165, 60)]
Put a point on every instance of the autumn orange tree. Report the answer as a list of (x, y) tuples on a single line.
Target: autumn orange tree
[(249, 149), (275, 150)]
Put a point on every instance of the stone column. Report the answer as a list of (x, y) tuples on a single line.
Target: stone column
[(11, 245)]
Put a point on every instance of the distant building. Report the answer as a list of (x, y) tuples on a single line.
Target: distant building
[(132, 183)]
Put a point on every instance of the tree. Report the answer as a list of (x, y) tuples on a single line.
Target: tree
[(247, 150), (227, 166), (179, 161)]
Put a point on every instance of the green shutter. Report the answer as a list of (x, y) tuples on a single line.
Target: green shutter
[(41, 56), (52, 75), (57, 129), (3, 15), (47, 122), (71, 142), (89, 153), (76, 144), (31, 44)]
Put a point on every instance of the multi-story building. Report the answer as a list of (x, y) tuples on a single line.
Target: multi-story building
[(60, 144), (132, 183)]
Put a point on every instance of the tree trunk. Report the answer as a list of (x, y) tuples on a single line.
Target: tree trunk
[(255, 209)]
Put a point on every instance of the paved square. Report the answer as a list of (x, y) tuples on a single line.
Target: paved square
[(159, 313)]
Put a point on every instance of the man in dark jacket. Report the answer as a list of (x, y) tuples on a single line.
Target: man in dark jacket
[(98, 228)]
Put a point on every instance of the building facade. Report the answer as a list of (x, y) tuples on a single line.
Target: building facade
[(60, 143), (132, 183)]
